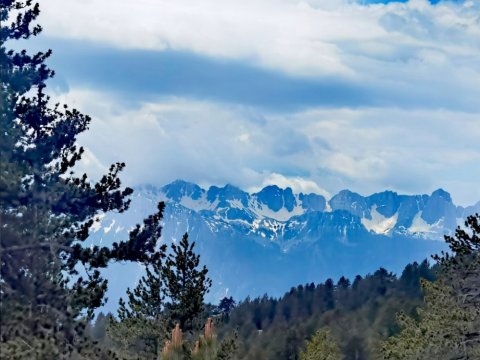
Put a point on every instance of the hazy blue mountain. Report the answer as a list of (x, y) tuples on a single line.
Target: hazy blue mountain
[(268, 241)]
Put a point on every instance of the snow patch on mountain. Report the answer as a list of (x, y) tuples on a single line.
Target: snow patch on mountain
[(421, 227), (379, 224), (328, 208), (236, 204), (97, 224), (283, 214), (107, 229), (197, 204)]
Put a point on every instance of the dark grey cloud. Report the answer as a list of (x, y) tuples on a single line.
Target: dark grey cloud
[(143, 75), (290, 142)]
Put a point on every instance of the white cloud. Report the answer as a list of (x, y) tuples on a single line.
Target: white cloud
[(305, 38), (365, 150), (90, 164), (296, 183), (413, 50)]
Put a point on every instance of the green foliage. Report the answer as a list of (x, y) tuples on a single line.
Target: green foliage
[(228, 347), (360, 315), (185, 284), (207, 347), (171, 292), (321, 346), (49, 280), (141, 328), (462, 266), (448, 326), (226, 305), (363, 315), (440, 332), (212, 349), (467, 239)]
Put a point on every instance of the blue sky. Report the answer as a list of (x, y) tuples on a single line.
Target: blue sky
[(317, 95)]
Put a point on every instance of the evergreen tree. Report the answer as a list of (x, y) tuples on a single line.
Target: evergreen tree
[(185, 284), (462, 266), (141, 328), (293, 342), (170, 294), (444, 331), (328, 299), (321, 347), (360, 318), (225, 306), (206, 347), (449, 325), (46, 210), (228, 348)]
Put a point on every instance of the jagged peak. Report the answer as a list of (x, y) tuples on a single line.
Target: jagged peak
[(282, 203), (347, 193), (277, 198), (270, 188), (442, 194), (276, 188), (226, 193), (227, 189), (179, 188), (384, 193), (181, 183)]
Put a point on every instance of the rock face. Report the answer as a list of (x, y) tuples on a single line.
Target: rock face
[(268, 241)]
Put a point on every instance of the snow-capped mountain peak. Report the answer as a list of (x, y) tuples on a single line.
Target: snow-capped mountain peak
[(384, 213), (277, 237)]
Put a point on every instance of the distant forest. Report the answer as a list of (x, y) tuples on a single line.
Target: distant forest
[(428, 312), (360, 315)]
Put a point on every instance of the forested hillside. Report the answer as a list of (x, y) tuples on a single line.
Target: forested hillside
[(360, 314)]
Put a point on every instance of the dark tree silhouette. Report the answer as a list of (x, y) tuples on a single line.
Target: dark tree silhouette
[(141, 327), (185, 284), (46, 210), (225, 306), (462, 265)]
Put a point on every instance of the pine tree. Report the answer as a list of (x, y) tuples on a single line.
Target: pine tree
[(462, 265), (226, 305), (46, 210), (141, 327), (321, 347), (448, 326), (185, 284), (171, 294), (461, 271), (206, 347), (441, 333)]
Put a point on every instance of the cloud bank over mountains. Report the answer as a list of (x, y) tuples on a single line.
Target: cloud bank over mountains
[(323, 94)]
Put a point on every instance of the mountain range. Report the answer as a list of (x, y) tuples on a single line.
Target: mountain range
[(268, 241)]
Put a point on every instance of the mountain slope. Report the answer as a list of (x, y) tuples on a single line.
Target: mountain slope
[(268, 241)]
